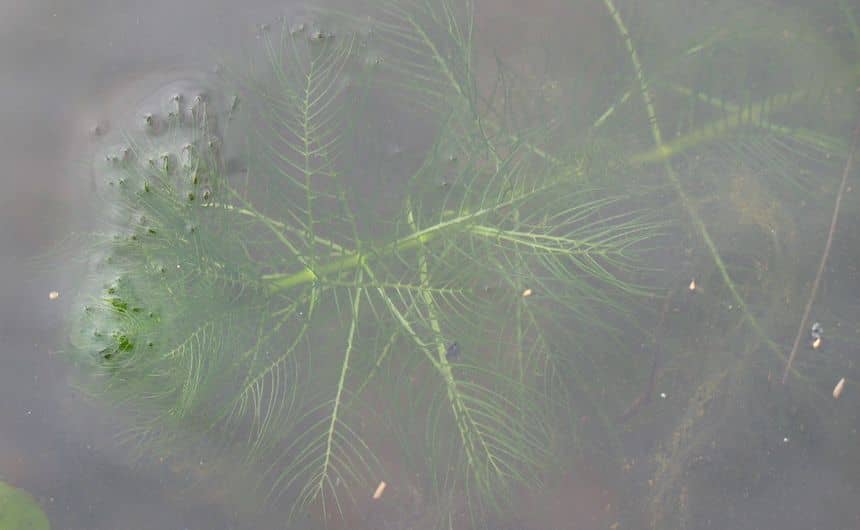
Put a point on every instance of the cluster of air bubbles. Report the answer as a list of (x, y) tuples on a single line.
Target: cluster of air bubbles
[(300, 27), (144, 182), (119, 156)]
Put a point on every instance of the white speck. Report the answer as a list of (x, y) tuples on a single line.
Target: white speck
[(53, 295), (785, 440), (29, 412), (663, 395)]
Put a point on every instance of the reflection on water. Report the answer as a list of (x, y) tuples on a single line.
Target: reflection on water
[(718, 442)]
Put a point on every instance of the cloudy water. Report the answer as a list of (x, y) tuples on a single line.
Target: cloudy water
[(431, 264)]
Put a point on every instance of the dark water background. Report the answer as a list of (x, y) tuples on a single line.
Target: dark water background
[(68, 67)]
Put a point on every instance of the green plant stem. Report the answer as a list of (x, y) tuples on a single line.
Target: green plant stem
[(354, 259), (664, 154), (802, 326)]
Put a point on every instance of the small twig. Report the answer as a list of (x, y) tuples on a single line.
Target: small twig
[(820, 273)]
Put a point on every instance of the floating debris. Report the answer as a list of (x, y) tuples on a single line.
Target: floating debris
[(53, 295), (816, 343), (379, 490), (453, 352), (692, 285), (527, 293), (837, 390)]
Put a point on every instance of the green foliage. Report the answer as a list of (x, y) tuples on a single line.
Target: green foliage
[(269, 310), (300, 312), (20, 511)]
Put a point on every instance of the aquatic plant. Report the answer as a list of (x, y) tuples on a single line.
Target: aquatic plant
[(417, 276), (302, 311)]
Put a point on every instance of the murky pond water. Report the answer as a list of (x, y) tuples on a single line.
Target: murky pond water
[(547, 273)]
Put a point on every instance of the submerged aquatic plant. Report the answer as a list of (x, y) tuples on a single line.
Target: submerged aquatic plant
[(304, 310), (412, 275)]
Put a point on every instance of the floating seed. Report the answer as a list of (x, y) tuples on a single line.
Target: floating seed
[(527, 293), (837, 390), (379, 491)]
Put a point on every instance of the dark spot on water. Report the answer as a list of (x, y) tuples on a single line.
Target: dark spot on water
[(453, 352)]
